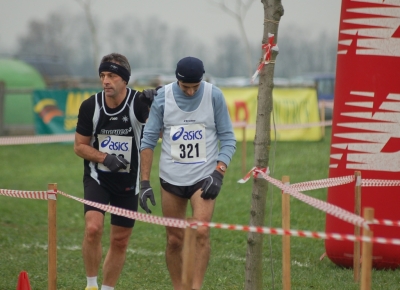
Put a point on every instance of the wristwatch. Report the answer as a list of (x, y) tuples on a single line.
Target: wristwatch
[(222, 168)]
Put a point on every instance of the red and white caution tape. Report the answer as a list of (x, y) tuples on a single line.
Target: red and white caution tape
[(183, 223), (379, 182), (298, 233), (24, 194), (267, 55), (284, 126), (323, 183), (321, 205), (253, 173), (54, 138), (170, 222), (386, 222), (57, 138)]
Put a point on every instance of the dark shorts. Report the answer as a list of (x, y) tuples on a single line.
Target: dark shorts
[(94, 192), (181, 191)]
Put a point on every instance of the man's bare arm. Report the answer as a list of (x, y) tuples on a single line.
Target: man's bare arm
[(146, 160), (83, 149)]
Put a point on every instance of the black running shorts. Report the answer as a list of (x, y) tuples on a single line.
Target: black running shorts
[(181, 191), (95, 192)]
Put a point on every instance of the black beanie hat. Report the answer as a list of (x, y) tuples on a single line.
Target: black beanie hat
[(190, 70)]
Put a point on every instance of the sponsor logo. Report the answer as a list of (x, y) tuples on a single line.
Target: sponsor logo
[(189, 121), (114, 67), (187, 135), (115, 146), (113, 118), (116, 131)]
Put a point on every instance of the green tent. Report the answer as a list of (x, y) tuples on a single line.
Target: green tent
[(18, 106)]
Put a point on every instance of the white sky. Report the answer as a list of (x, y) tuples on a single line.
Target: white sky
[(198, 17)]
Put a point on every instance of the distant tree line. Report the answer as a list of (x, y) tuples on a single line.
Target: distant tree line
[(153, 44)]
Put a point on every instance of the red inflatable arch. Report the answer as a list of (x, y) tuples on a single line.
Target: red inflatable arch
[(366, 123)]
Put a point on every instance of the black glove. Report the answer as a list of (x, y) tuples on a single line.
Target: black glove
[(115, 163), (147, 96), (212, 185), (146, 192)]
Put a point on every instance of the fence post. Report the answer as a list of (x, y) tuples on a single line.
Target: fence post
[(244, 149), (2, 105), (189, 256), (357, 211), (52, 236), (366, 265), (285, 238), (322, 119)]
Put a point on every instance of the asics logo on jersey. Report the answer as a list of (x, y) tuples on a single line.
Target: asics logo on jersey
[(189, 121), (116, 146), (187, 135), (113, 118)]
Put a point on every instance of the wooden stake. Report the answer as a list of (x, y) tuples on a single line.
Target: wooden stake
[(285, 238), (2, 106), (366, 265), (322, 111), (52, 235), (357, 211), (189, 256), (244, 149)]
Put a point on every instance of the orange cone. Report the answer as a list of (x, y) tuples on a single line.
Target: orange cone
[(23, 281)]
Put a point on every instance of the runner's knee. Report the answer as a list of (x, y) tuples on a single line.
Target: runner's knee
[(203, 235), (93, 231), (175, 241), (119, 242)]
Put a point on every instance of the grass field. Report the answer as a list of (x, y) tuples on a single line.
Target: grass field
[(23, 235)]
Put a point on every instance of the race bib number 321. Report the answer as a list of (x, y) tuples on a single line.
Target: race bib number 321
[(188, 144)]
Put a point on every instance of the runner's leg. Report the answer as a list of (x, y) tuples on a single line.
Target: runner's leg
[(202, 211), (91, 246), (174, 207), (115, 258)]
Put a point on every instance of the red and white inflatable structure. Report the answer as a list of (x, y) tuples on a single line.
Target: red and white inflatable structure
[(366, 122)]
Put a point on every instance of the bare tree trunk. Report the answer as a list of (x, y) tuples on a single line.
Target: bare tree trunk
[(273, 10)]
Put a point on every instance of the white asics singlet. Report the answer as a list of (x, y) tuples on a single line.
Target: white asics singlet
[(189, 147)]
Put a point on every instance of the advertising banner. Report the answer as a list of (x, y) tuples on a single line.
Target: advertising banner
[(366, 124), (291, 106), (56, 111)]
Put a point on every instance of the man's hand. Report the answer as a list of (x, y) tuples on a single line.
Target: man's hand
[(212, 185), (115, 163), (146, 192), (147, 96)]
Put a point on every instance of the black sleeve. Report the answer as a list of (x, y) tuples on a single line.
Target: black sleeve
[(85, 117), (141, 109)]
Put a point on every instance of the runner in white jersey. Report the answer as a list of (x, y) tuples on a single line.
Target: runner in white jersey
[(108, 139), (197, 146)]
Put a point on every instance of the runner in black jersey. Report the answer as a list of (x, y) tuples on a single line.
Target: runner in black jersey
[(108, 137)]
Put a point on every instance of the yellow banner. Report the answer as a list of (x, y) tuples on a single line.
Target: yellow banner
[(293, 108)]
